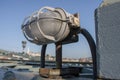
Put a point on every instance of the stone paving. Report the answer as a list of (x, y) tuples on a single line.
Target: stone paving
[(25, 72)]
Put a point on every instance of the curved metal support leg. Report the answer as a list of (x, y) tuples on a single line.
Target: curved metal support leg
[(58, 55), (43, 50), (93, 50)]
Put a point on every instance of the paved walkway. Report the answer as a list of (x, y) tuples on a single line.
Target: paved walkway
[(23, 72)]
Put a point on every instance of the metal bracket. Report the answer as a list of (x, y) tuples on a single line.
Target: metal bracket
[(92, 46)]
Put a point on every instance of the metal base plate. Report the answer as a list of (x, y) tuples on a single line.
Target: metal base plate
[(59, 73)]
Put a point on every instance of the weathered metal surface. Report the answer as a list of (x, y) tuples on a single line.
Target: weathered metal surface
[(44, 72), (63, 72), (49, 25), (107, 19), (58, 55), (93, 50), (43, 51)]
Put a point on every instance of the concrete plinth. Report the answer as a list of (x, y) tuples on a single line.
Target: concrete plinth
[(107, 18)]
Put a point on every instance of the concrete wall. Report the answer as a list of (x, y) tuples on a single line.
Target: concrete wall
[(107, 20)]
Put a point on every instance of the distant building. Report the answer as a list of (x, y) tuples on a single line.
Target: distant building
[(89, 59), (70, 60), (4, 57), (49, 58), (33, 54)]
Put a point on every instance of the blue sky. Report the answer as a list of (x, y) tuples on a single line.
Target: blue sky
[(13, 12)]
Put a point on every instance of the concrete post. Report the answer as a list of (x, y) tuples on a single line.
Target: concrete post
[(107, 18)]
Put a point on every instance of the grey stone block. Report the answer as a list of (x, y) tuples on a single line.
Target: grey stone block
[(107, 20)]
